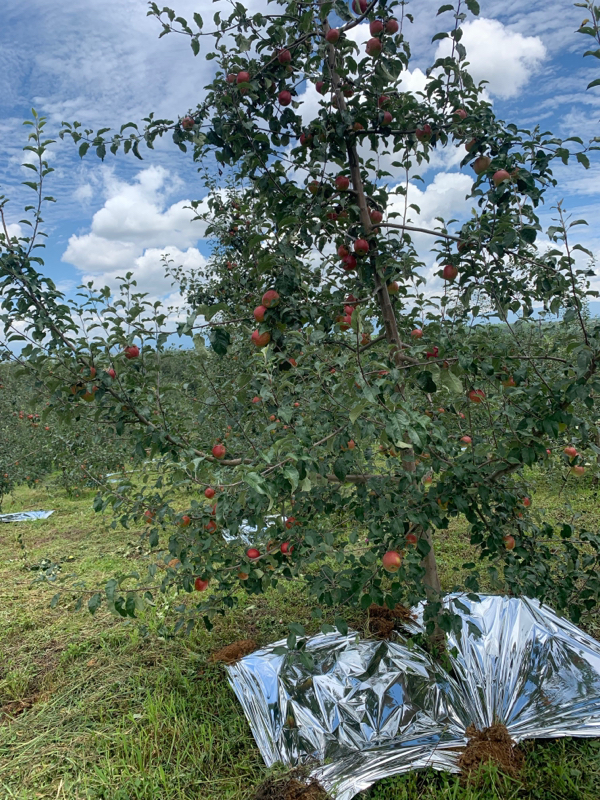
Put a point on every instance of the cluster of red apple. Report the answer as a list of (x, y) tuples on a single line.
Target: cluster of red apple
[(572, 453), (269, 300)]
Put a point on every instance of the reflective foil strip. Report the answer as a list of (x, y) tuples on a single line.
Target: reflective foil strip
[(25, 516), (367, 709)]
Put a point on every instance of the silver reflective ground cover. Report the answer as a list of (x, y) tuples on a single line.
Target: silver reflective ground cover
[(365, 709), (25, 516)]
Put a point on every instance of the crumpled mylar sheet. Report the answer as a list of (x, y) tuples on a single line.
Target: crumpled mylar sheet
[(365, 709), (25, 516)]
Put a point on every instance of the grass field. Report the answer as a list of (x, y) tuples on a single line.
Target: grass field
[(90, 709)]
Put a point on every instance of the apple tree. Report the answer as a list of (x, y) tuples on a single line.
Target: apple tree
[(351, 395)]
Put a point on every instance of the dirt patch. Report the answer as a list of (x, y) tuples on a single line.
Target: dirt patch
[(234, 651), (494, 745), (10, 711), (290, 789), (382, 620)]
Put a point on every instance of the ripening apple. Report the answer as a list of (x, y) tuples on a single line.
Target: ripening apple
[(387, 118), (259, 313), (242, 77), (256, 399), (376, 27), (320, 87), (219, 451), (481, 164), (361, 247), (376, 216), (391, 26), (411, 539), (392, 561), (270, 298), (359, 6), (510, 381), (509, 542), (185, 521), (284, 57), (111, 373), (342, 182), (476, 395), (313, 187), (261, 339), (423, 133), (149, 515), (187, 123), (382, 100), (284, 97), (460, 112), (286, 548), (466, 440), (211, 526), (526, 502), (358, 126), (332, 35), (500, 176), (209, 492), (343, 251), (349, 263), (200, 585), (351, 444), (449, 272), (393, 287), (570, 451), (578, 470), (417, 333), (131, 351), (373, 47)]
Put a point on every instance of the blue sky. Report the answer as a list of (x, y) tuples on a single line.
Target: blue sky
[(101, 62)]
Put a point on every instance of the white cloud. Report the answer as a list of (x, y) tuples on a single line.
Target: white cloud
[(132, 231), (505, 58)]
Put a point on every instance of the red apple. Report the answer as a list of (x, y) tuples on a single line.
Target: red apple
[(209, 492), (259, 313), (466, 440), (111, 373), (131, 351), (231, 78), (351, 444), (423, 133), (284, 97), (376, 27), (261, 339), (342, 183), (433, 353), (416, 333), (373, 47), (270, 298), (476, 395), (361, 247), (313, 187), (411, 539), (185, 521), (392, 561), (305, 139), (470, 145), (320, 87), (359, 6), (393, 287), (256, 399), (286, 548), (526, 502), (382, 100), (211, 526), (149, 515), (332, 35), (349, 263), (200, 585), (343, 251), (284, 57), (481, 164), (570, 451), (376, 216), (500, 176), (578, 470), (509, 542), (391, 26), (358, 126), (510, 381), (187, 123), (242, 77), (460, 112), (387, 118), (219, 451), (449, 272)]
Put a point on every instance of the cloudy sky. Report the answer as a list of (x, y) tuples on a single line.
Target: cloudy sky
[(100, 62)]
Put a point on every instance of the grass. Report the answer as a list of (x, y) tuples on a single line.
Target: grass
[(93, 710)]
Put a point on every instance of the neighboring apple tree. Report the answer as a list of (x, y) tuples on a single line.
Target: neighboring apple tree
[(344, 409)]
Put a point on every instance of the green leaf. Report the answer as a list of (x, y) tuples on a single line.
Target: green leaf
[(255, 481), (473, 7), (94, 603), (442, 9), (291, 473), (438, 36), (357, 410), (341, 625), (581, 157), (451, 382), (220, 341)]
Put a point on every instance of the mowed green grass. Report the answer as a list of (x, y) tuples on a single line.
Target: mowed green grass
[(93, 710)]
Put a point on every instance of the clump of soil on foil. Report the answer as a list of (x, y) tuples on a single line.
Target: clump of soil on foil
[(493, 745), (382, 620), (234, 651), (290, 788)]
